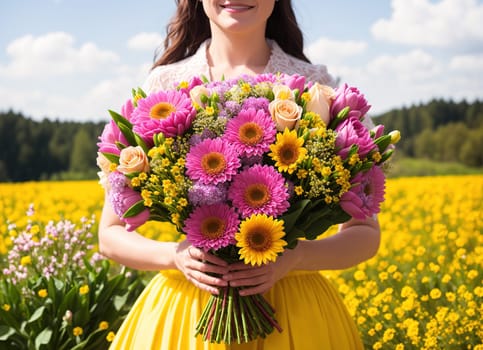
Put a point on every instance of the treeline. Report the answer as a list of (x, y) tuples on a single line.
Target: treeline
[(439, 130), (44, 150)]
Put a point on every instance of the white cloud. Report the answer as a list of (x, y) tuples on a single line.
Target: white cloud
[(445, 23), (394, 81), (412, 67), (330, 52), (89, 102), (468, 63), (145, 41), (54, 54)]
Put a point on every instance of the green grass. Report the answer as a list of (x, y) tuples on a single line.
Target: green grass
[(403, 166)]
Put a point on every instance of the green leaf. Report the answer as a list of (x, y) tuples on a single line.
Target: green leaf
[(119, 119), (386, 155), (204, 79), (119, 301), (8, 318), (320, 221), (68, 302), (135, 209), (339, 118), (113, 158), (6, 332), (128, 134), (43, 338), (140, 142), (294, 213), (383, 142), (37, 314)]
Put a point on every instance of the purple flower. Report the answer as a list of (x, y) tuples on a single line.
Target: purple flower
[(352, 132), (349, 97), (256, 103), (201, 194), (229, 109), (366, 195), (122, 197)]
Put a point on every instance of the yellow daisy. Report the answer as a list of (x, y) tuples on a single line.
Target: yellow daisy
[(260, 239), (287, 151)]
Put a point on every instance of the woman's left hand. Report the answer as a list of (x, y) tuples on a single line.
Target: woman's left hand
[(259, 279)]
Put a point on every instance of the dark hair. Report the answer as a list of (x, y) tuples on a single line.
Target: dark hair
[(190, 27)]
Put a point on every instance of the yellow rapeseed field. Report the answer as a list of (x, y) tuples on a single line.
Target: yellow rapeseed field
[(423, 290)]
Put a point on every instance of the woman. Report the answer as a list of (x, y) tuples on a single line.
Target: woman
[(222, 38)]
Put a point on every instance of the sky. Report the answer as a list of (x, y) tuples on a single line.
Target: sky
[(75, 59)]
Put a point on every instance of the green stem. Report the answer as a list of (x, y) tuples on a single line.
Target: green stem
[(230, 314)]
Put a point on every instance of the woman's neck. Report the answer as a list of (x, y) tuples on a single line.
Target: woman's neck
[(230, 55)]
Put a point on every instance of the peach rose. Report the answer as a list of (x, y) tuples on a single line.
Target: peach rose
[(133, 159), (196, 93), (321, 97), (285, 113)]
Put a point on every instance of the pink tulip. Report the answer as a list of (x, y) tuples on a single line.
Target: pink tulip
[(110, 135), (366, 195), (350, 97), (352, 132)]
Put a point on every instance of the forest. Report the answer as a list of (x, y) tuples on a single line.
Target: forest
[(30, 150)]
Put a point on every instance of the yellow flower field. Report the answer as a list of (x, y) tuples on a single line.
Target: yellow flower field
[(422, 291)]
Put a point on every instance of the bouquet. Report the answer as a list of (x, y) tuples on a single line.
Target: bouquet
[(245, 168)]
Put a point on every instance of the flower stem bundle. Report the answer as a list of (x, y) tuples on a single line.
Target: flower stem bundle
[(230, 317)]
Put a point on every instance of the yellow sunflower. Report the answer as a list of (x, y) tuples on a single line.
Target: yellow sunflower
[(287, 151), (260, 239)]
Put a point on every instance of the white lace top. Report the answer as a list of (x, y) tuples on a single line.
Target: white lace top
[(163, 77)]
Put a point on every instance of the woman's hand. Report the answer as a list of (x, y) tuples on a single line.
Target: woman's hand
[(198, 267), (259, 279)]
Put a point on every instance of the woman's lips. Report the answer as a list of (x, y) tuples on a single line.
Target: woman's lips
[(236, 7)]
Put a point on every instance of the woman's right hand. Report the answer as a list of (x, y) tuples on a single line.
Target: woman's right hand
[(199, 266)]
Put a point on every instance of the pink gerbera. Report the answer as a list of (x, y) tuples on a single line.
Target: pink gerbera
[(251, 132), (259, 189), (212, 226), (169, 112), (212, 161), (365, 197)]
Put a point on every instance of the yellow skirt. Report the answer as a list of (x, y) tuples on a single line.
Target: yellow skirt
[(308, 308)]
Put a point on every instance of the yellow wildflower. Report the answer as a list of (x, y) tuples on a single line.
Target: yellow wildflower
[(110, 336), (77, 331), (84, 289), (26, 260)]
